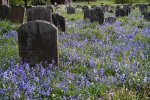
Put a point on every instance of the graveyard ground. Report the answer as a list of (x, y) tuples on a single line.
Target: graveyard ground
[(97, 62)]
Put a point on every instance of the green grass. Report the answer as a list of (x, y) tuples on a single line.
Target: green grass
[(98, 2)]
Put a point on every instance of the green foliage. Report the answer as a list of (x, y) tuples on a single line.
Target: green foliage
[(123, 1), (40, 2), (16, 2), (8, 46)]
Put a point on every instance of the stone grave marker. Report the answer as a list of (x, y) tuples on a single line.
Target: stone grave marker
[(86, 13), (147, 16), (17, 14), (70, 10), (4, 12), (117, 7), (110, 20), (59, 21), (84, 8), (143, 8), (98, 15), (39, 13), (126, 10), (4, 2), (120, 13), (38, 42)]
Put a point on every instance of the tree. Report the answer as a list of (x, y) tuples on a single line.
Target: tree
[(40, 2)]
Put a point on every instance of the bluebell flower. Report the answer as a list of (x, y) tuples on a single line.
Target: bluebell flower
[(92, 62)]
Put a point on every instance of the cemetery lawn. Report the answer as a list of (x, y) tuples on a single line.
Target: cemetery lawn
[(96, 62)]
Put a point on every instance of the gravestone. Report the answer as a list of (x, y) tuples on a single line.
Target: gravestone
[(38, 42), (110, 20), (143, 8), (86, 13), (97, 14), (59, 21), (4, 12), (147, 16), (39, 13), (17, 14), (117, 7), (84, 8), (103, 8), (70, 10), (4, 2), (126, 10), (120, 13)]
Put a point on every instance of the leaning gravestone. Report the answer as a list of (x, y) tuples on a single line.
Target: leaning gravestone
[(39, 13), (97, 15), (120, 13), (86, 13), (17, 14), (59, 21), (70, 10), (110, 20), (38, 42), (4, 12)]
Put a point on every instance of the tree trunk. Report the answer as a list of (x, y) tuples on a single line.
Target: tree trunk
[(25, 3)]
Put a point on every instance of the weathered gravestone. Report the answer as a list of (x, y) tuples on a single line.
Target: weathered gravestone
[(84, 8), (110, 20), (147, 16), (38, 42), (117, 7), (4, 2), (120, 13), (59, 21), (39, 13), (86, 13), (143, 7), (4, 12), (97, 14), (70, 10), (17, 14), (126, 10)]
